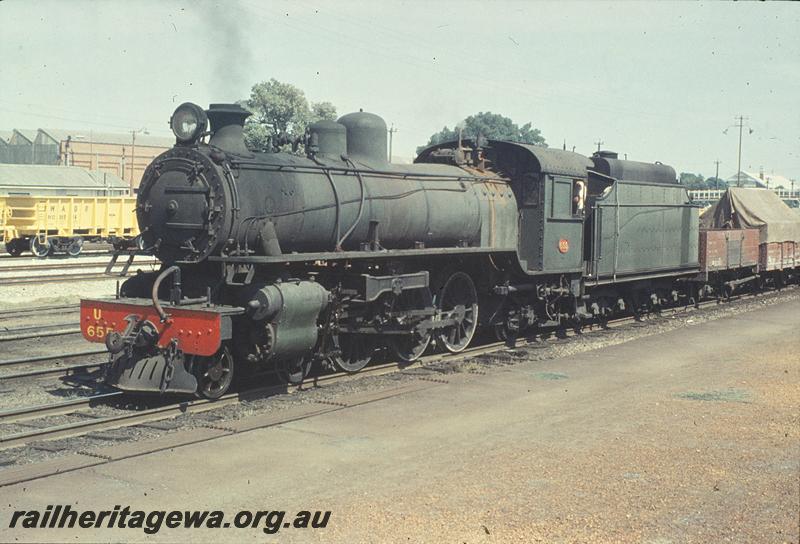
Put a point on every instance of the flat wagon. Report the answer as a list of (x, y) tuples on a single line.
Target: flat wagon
[(48, 224)]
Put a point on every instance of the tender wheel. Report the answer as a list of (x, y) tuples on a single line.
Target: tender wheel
[(214, 374), (75, 247), (40, 249), (15, 247), (294, 371), (458, 300), (355, 351)]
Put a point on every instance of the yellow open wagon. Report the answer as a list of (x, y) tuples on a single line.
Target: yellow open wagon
[(47, 224)]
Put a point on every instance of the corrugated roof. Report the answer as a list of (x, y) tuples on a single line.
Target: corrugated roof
[(747, 178), (755, 178), (5, 135), (39, 175), (772, 179), (23, 134), (60, 134)]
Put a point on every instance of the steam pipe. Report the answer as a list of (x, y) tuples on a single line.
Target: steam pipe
[(156, 284), (360, 208)]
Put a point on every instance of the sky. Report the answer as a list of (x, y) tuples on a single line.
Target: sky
[(656, 81)]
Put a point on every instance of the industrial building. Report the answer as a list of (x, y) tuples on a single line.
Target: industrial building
[(122, 155), (759, 179)]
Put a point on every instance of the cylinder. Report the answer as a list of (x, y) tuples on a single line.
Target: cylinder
[(292, 309)]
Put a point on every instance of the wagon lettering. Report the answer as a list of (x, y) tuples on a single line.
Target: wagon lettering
[(97, 313)]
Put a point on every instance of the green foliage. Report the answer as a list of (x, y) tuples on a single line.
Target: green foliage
[(491, 125), (323, 111), (698, 182), (716, 183), (280, 108)]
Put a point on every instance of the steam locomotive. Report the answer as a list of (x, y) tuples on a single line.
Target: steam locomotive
[(274, 260)]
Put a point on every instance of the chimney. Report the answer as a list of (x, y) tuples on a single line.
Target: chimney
[(227, 127)]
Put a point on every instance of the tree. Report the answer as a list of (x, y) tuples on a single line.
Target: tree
[(491, 125), (280, 109), (716, 183), (323, 111), (692, 181)]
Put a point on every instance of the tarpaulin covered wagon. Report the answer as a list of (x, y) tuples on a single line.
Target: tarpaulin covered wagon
[(760, 209)]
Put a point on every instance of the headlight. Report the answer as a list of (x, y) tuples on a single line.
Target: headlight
[(188, 122)]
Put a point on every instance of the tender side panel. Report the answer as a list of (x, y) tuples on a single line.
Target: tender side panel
[(642, 228), (198, 332)]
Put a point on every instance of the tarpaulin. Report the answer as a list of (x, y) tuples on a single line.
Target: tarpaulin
[(760, 209)]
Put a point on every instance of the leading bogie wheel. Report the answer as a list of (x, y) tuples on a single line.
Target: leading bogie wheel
[(458, 301), (295, 369), (214, 374), (353, 351), (41, 249)]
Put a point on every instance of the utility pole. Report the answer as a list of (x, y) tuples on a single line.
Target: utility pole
[(716, 178), (739, 164), (391, 132), (599, 143), (133, 156), (740, 124)]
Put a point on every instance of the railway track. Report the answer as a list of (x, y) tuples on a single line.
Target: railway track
[(93, 362), (52, 278), (69, 266), (11, 363), (36, 310), (27, 279), (89, 423), (40, 331), (172, 409), (37, 329), (66, 370), (5, 257)]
